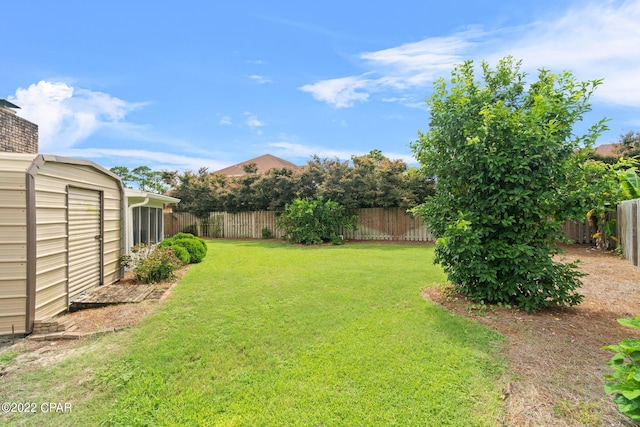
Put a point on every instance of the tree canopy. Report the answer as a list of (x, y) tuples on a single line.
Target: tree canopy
[(370, 180), (141, 177), (630, 144), (502, 153)]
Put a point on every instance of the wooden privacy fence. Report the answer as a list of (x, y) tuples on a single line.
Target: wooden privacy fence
[(579, 231), (388, 224), (373, 224), (628, 224)]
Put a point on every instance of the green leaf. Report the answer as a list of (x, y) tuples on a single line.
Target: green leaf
[(631, 394), (633, 322)]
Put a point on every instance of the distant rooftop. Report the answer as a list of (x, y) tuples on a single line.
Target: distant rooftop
[(607, 150), (263, 164)]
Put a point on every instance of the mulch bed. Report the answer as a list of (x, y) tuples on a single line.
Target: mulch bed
[(556, 364)]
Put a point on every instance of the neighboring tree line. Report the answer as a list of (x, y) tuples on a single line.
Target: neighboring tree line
[(628, 147), (142, 177), (370, 180)]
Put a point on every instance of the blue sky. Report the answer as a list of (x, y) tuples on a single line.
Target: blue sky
[(190, 84)]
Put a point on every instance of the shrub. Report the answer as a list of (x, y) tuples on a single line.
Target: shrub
[(190, 229), (203, 244), (126, 261), (624, 383), (182, 235), (159, 265), (266, 233), (182, 254), (314, 221), (193, 247), (196, 247), (502, 153)]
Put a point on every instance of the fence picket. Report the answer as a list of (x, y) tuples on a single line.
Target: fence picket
[(373, 224), (628, 225)]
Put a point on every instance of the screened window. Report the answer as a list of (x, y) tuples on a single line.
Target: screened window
[(136, 226), (147, 225)]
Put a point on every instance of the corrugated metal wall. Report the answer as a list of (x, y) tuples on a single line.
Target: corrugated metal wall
[(13, 243), (85, 236), (60, 185), (35, 224)]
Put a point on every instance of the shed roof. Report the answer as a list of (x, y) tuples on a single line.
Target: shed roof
[(29, 161)]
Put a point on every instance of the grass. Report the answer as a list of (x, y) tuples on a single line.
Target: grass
[(7, 357), (264, 333)]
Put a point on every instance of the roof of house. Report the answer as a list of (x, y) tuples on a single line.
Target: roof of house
[(131, 193), (6, 104), (263, 163), (607, 150)]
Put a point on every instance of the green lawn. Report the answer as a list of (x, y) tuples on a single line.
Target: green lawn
[(268, 334)]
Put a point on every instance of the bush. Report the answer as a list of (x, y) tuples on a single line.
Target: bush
[(314, 221), (266, 233), (159, 265), (196, 247), (182, 254), (502, 153), (624, 383), (190, 229)]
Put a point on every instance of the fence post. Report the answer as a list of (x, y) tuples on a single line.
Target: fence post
[(634, 231)]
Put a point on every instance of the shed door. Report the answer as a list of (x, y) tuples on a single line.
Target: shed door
[(85, 240)]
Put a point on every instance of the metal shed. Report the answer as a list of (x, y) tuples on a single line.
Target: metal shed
[(61, 222)]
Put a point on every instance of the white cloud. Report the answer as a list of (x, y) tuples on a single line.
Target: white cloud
[(398, 68), (259, 79), (407, 101), (158, 160), (599, 40), (594, 40), (66, 115), (253, 122), (225, 120), (299, 150), (306, 151), (340, 92), (425, 57)]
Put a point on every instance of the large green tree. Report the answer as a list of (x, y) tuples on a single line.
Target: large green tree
[(501, 152), (141, 177), (372, 180), (630, 144)]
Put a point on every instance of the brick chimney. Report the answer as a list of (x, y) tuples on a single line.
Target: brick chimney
[(17, 135)]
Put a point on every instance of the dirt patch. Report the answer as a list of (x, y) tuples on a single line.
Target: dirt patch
[(119, 316), (556, 364), (111, 318)]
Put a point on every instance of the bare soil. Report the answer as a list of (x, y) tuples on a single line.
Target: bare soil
[(556, 364), (112, 318)]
